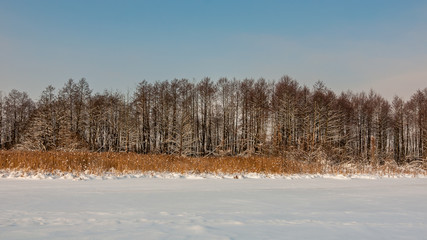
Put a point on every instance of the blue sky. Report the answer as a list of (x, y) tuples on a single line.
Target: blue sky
[(356, 45)]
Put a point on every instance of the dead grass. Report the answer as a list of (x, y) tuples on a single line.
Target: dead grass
[(99, 163)]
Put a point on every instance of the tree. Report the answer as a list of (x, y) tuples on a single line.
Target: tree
[(227, 117), (1, 120), (398, 140), (206, 92), (67, 99), (142, 102), (82, 98), (18, 107), (284, 107), (42, 131)]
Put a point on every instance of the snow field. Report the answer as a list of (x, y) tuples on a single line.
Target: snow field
[(185, 208)]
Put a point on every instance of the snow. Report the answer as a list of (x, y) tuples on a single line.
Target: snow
[(34, 175), (177, 206)]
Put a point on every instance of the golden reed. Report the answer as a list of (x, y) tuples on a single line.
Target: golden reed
[(99, 163)]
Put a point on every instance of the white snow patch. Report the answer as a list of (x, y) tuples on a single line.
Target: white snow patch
[(176, 206), (25, 175)]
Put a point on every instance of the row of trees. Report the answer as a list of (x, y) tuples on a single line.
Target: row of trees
[(227, 117)]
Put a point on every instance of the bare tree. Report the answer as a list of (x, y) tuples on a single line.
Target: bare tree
[(18, 107), (227, 117)]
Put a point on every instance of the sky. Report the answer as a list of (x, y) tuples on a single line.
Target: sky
[(349, 45)]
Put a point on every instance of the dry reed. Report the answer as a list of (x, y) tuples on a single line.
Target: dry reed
[(99, 163)]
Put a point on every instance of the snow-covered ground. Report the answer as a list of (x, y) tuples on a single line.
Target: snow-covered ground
[(184, 208)]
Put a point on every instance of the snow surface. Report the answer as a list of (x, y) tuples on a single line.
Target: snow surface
[(208, 208), (34, 175)]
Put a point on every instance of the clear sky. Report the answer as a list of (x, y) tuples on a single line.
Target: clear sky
[(356, 45)]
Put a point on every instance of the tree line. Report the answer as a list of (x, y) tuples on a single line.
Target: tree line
[(224, 117)]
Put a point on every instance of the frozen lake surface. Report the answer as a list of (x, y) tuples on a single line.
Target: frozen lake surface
[(214, 209)]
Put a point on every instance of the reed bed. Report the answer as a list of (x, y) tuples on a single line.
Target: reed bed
[(100, 163)]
